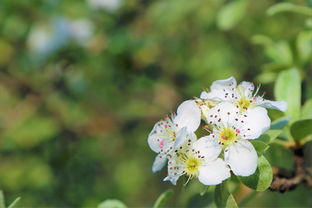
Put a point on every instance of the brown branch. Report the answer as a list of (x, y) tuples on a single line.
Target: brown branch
[(286, 181)]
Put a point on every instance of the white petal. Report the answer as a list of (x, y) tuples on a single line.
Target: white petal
[(242, 158), (175, 170), (188, 115), (247, 88), (184, 139), (214, 172), (223, 114), (222, 90), (208, 147), (159, 162), (204, 95), (180, 138), (152, 138), (278, 105), (220, 84), (255, 123)]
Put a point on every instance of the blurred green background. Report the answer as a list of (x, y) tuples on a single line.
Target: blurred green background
[(82, 83)]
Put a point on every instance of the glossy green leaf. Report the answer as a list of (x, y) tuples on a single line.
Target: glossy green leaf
[(163, 198), (111, 203), (306, 111), (288, 88), (269, 136), (301, 129), (231, 14), (259, 146), (223, 198), (288, 7), (262, 178)]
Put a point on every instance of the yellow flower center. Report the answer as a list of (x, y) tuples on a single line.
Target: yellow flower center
[(227, 136), (191, 166), (243, 104)]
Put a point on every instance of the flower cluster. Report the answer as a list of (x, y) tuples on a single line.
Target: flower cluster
[(233, 115)]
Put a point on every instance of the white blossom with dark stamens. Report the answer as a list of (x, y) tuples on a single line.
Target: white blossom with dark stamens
[(171, 132), (243, 95), (232, 129), (198, 160)]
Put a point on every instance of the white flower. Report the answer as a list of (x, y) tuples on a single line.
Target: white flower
[(198, 160), (170, 133), (242, 95), (232, 129)]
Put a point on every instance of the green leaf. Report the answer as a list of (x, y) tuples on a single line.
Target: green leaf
[(303, 45), (223, 198), (306, 111), (301, 129), (111, 203), (163, 198), (279, 124), (231, 14), (269, 136), (262, 178), (288, 7), (288, 88), (279, 156), (260, 146), (2, 202), (12, 205)]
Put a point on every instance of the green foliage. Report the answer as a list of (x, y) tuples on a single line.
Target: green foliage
[(280, 157), (14, 203), (262, 178), (288, 88), (289, 7), (2, 201), (260, 146), (161, 200), (231, 14), (307, 109), (223, 198), (301, 129), (269, 136), (111, 203)]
